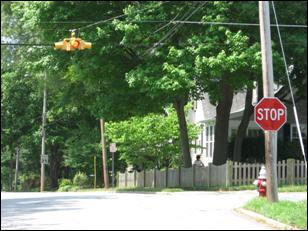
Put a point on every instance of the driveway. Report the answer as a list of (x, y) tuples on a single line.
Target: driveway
[(130, 211)]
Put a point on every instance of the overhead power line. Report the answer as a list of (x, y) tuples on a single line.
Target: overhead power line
[(175, 28), (26, 44), (172, 21), (115, 17), (291, 90)]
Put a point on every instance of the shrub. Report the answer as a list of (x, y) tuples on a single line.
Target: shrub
[(68, 188), (64, 182), (29, 181), (80, 180)]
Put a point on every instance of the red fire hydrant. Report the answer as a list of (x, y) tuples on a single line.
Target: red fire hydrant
[(261, 182)]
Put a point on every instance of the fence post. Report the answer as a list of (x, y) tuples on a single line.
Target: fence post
[(194, 176), (144, 171), (210, 169), (135, 178), (228, 173), (154, 177), (180, 184), (118, 181), (290, 171), (166, 177), (125, 179)]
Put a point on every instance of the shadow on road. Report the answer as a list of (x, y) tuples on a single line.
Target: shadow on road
[(11, 207)]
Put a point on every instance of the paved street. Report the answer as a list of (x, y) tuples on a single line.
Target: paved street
[(102, 210)]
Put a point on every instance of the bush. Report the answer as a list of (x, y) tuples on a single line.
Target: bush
[(80, 180), (64, 182), (29, 181), (68, 188)]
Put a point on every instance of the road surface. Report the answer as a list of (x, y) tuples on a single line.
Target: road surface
[(129, 211)]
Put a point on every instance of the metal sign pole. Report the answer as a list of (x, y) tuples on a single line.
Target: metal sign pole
[(112, 169)]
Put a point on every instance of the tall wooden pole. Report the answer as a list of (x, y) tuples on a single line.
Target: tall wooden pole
[(104, 156), (43, 136), (268, 91)]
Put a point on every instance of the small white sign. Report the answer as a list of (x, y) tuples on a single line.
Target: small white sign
[(44, 159), (113, 147)]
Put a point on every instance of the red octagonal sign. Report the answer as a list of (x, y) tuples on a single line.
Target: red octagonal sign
[(270, 114)]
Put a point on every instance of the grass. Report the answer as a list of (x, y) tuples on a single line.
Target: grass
[(287, 212), (283, 188), (292, 188), (149, 190)]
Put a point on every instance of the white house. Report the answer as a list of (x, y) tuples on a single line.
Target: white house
[(204, 113)]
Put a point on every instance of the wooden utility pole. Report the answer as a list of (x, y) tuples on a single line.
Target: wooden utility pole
[(104, 156), (43, 135), (16, 169), (268, 91)]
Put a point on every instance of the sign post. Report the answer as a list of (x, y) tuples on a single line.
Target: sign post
[(113, 149)]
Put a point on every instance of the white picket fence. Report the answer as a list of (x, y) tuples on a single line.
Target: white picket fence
[(232, 173), (288, 172)]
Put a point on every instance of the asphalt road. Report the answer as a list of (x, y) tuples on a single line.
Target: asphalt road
[(129, 211)]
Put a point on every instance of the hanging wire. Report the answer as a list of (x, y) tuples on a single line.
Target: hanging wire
[(174, 29), (290, 86), (115, 17)]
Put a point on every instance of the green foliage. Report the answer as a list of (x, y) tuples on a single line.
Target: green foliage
[(253, 150), (68, 188), (126, 73), (149, 141), (81, 180), (64, 182), (29, 180), (292, 213)]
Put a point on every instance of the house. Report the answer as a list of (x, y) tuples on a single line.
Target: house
[(204, 113)]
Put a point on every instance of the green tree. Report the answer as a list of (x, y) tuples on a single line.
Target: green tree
[(150, 141)]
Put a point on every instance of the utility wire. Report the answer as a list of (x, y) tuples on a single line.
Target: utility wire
[(112, 18), (174, 29), (290, 86), (181, 22), (25, 44)]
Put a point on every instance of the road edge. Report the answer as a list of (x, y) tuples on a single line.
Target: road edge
[(260, 218)]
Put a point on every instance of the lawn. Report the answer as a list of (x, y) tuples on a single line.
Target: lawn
[(287, 212)]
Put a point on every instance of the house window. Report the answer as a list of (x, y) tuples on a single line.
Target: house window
[(294, 133), (209, 140)]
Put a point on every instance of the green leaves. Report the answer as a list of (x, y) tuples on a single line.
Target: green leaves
[(149, 141)]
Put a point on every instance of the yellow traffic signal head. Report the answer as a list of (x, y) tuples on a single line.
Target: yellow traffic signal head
[(85, 45), (73, 43)]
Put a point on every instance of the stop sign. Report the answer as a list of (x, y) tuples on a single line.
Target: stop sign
[(270, 114)]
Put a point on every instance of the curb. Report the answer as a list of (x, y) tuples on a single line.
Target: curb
[(260, 218)]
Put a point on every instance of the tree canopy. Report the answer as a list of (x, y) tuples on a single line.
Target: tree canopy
[(145, 57)]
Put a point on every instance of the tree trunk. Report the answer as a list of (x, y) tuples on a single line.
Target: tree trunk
[(241, 133), (222, 123), (179, 107), (55, 164)]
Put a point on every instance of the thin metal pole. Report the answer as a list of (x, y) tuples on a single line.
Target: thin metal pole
[(43, 135), (268, 91), (112, 169)]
